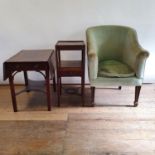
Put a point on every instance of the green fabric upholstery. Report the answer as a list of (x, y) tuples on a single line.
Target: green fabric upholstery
[(119, 43), (113, 68), (101, 82)]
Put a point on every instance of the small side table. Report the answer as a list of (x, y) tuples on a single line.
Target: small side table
[(70, 68), (30, 60)]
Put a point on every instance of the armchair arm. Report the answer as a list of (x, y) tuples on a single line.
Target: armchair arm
[(135, 55), (92, 55), (140, 63)]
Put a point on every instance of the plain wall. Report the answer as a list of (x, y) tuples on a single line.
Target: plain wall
[(38, 24)]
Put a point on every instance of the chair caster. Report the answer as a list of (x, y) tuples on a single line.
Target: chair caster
[(120, 87), (135, 104)]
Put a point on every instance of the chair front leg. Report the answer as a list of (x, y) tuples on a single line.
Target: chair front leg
[(137, 92)]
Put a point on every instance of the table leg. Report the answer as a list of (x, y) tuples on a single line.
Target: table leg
[(54, 84), (47, 80), (92, 95), (13, 94), (26, 81), (83, 76), (58, 90), (82, 89), (60, 85)]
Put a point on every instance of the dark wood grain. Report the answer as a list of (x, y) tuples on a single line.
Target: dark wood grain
[(70, 68), (30, 60)]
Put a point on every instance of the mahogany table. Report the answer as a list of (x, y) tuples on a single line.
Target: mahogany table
[(30, 60)]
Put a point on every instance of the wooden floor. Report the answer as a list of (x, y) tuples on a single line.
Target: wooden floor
[(112, 127)]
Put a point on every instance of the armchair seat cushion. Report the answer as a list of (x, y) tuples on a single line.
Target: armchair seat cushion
[(114, 68)]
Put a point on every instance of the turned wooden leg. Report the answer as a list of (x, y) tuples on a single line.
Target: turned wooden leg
[(137, 92), (120, 87), (92, 95)]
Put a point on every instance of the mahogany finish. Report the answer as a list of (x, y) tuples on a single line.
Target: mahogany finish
[(137, 92), (30, 60), (70, 68)]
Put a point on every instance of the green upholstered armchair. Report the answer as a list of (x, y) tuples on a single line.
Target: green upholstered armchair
[(115, 58)]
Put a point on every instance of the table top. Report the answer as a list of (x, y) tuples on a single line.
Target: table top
[(27, 60), (76, 44), (63, 43), (41, 55)]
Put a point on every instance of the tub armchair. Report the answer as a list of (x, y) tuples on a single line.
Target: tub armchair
[(115, 58)]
